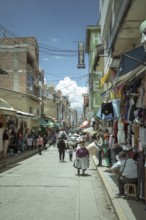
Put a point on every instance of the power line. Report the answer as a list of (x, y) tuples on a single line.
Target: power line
[(44, 48)]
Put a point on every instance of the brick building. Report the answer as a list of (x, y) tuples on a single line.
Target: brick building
[(21, 86)]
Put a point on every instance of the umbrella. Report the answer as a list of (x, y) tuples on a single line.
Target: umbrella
[(89, 130), (6, 108), (84, 124)]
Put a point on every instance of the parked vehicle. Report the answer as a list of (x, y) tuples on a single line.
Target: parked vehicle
[(62, 134), (72, 140)]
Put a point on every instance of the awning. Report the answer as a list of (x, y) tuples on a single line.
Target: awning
[(46, 123), (25, 114), (57, 124), (6, 108), (104, 78), (3, 71), (132, 64)]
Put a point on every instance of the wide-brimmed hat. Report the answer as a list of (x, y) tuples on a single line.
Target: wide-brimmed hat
[(80, 139)]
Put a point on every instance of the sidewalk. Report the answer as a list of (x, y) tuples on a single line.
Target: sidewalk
[(11, 161), (125, 209)]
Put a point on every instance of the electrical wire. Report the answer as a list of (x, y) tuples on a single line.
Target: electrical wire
[(47, 49), (44, 48)]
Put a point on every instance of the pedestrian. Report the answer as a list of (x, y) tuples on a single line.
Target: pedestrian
[(70, 152), (107, 150), (100, 144), (61, 148), (19, 141), (6, 141), (82, 157), (126, 171), (40, 143), (29, 142)]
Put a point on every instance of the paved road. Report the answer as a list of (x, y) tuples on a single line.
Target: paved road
[(42, 188)]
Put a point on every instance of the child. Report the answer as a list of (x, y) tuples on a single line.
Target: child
[(70, 152)]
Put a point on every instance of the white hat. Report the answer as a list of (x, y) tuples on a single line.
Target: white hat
[(80, 139)]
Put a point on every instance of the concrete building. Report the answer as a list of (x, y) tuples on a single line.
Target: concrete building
[(120, 22), (93, 44), (73, 118), (22, 85), (56, 105)]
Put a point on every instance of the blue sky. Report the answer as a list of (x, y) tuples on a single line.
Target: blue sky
[(57, 24)]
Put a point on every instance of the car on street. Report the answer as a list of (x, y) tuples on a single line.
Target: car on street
[(72, 140)]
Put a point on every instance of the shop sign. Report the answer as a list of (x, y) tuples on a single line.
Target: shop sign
[(81, 55)]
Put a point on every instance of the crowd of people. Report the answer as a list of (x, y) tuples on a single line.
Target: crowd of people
[(119, 158), (16, 142)]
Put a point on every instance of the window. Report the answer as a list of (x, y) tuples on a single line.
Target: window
[(30, 82), (30, 109)]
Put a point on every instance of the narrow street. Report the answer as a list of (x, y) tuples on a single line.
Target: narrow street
[(42, 188)]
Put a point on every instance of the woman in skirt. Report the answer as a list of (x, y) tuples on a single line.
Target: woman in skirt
[(82, 157)]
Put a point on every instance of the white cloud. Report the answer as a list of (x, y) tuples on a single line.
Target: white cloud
[(45, 59), (58, 57), (74, 92), (54, 40)]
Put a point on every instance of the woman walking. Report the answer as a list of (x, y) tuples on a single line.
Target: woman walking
[(82, 157)]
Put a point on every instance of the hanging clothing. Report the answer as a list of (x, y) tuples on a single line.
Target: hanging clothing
[(140, 172), (121, 132), (142, 135), (107, 108), (140, 97), (135, 129)]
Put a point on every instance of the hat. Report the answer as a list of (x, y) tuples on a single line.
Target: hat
[(126, 147), (80, 139)]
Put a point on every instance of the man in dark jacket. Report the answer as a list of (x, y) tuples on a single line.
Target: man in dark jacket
[(61, 148)]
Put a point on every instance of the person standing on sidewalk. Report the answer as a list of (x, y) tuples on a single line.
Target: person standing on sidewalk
[(40, 143), (100, 144), (6, 141), (61, 148), (29, 142)]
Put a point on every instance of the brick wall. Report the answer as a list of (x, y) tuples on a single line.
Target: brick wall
[(20, 101)]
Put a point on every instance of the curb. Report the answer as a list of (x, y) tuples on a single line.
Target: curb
[(15, 159), (120, 206)]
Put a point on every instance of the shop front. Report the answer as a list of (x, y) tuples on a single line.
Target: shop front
[(129, 127), (6, 111)]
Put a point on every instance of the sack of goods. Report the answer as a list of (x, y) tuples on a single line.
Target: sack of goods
[(92, 148)]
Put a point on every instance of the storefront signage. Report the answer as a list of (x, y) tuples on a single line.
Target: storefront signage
[(81, 55)]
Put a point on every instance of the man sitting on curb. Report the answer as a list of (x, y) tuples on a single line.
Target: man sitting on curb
[(126, 170)]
